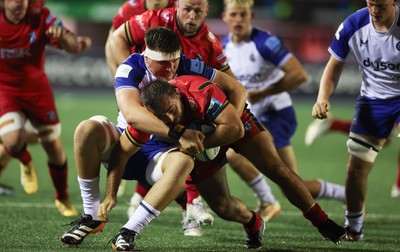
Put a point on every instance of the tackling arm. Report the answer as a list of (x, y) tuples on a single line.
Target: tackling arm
[(234, 90), (117, 48)]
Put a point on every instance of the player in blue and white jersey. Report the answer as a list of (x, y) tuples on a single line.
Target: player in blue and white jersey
[(372, 35), (268, 70)]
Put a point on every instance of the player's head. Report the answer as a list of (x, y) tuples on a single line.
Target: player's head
[(156, 4), (15, 10), (163, 51), (163, 100), (191, 15), (382, 11), (238, 15)]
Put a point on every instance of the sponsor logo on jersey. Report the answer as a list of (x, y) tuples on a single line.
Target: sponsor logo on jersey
[(363, 43), (197, 66), (14, 53), (221, 56), (213, 109), (32, 37), (273, 44), (381, 65), (166, 16), (211, 36)]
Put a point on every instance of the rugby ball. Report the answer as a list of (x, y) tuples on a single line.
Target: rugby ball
[(205, 127)]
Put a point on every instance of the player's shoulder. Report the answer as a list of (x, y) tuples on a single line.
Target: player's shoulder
[(356, 21)]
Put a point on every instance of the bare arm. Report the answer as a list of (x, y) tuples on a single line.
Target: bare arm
[(117, 48), (328, 83), (295, 74), (119, 157), (234, 90), (229, 128), (110, 60), (69, 41)]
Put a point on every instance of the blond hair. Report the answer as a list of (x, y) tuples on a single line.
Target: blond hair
[(249, 3)]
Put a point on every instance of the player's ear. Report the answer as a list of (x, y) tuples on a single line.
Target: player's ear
[(177, 93)]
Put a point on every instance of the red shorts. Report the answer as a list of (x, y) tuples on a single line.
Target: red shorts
[(36, 103), (205, 170)]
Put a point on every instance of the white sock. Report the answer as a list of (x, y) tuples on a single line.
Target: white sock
[(90, 194), (331, 191), (354, 220), (143, 215), (261, 189)]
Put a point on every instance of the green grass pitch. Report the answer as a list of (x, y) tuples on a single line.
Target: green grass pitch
[(32, 223)]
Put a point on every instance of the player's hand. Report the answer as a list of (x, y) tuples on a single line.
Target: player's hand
[(106, 206), (255, 96), (191, 142), (320, 109), (55, 32), (85, 42)]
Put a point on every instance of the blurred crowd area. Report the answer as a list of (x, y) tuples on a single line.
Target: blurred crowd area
[(307, 27)]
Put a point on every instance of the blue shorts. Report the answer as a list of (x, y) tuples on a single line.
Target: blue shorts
[(375, 117), (281, 124)]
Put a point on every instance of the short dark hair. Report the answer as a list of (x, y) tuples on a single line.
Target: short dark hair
[(162, 39), (153, 93)]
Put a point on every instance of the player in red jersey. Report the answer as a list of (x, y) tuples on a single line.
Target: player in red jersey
[(25, 92), (129, 9), (198, 42)]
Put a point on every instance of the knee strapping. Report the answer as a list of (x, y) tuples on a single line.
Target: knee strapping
[(48, 133), (362, 148)]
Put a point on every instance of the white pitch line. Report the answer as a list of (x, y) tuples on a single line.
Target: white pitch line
[(177, 209)]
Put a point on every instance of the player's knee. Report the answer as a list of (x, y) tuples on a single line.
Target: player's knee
[(11, 121), (362, 148), (49, 133)]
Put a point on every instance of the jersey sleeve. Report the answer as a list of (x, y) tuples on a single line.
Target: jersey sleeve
[(216, 100), (271, 48), (195, 67), (340, 47), (129, 74), (51, 20), (221, 60)]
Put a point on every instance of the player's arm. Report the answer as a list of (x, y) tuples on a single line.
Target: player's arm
[(229, 128), (329, 80), (295, 74), (234, 90), (117, 48), (191, 141), (110, 62), (119, 158), (68, 40)]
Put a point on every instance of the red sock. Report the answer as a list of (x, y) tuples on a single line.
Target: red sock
[(339, 125), (254, 224), (23, 155), (59, 176), (316, 215), (141, 190), (191, 191), (398, 170)]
